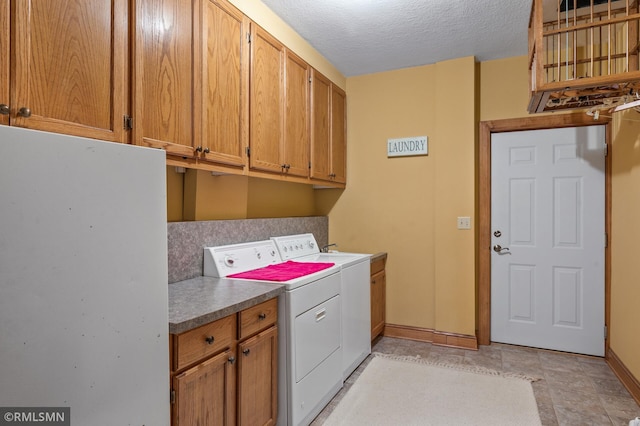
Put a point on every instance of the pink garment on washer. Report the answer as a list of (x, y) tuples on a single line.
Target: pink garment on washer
[(286, 271)]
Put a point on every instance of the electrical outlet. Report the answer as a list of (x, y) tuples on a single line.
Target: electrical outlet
[(464, 222)]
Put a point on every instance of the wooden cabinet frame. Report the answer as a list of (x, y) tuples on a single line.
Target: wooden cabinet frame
[(584, 57)]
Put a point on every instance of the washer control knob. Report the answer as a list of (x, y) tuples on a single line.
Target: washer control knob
[(229, 261)]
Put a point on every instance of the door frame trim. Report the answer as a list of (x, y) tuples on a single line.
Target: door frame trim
[(487, 128)]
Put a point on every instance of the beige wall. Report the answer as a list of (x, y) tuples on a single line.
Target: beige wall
[(504, 88), (625, 241), (199, 195), (408, 206)]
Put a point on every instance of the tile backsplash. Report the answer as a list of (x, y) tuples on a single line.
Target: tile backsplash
[(186, 240)]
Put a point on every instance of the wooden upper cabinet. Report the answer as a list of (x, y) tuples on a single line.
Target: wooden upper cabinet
[(4, 62), (279, 111), (338, 135), (221, 82), (328, 130), (267, 101), (192, 78), (296, 117), (320, 126), (68, 66), (163, 95)]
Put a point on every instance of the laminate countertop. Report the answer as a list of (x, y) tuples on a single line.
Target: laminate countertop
[(201, 300)]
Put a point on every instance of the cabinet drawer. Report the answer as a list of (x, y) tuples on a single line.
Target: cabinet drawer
[(258, 318), (204, 341)]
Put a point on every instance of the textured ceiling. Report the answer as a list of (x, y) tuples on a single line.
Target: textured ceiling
[(367, 36)]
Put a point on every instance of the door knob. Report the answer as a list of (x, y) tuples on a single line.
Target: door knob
[(499, 249)]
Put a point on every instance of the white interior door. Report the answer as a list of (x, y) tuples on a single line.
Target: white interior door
[(548, 238)]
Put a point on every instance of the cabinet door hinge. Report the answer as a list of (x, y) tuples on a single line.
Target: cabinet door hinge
[(248, 150), (606, 240), (249, 38), (309, 165), (606, 149), (128, 122), (605, 332), (172, 397)]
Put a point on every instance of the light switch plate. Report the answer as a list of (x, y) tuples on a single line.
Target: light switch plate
[(464, 222)]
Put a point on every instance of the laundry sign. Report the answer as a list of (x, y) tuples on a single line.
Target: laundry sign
[(404, 147)]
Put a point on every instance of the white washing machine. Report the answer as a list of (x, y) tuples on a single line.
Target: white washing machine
[(355, 292), (309, 323)]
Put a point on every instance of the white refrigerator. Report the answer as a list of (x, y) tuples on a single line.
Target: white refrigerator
[(83, 278)]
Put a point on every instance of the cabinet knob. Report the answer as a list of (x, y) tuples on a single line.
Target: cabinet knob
[(24, 112), (207, 150), (4, 109), (232, 360), (199, 149), (246, 352), (209, 340), (262, 316), (373, 281)]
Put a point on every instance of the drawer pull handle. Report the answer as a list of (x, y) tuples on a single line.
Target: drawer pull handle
[(262, 316), (246, 352), (320, 315), (209, 340)]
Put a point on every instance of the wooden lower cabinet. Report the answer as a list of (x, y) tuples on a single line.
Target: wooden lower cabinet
[(258, 379), (219, 379), (204, 394), (378, 294)]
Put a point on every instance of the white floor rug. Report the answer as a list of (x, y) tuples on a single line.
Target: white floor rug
[(411, 391)]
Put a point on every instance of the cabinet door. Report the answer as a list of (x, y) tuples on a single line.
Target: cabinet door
[(4, 62), (258, 379), (296, 116), (378, 284), (163, 76), (338, 135), (267, 101), (320, 117), (69, 66), (221, 82), (205, 393)]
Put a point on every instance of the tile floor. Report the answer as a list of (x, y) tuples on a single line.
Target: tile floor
[(573, 390)]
